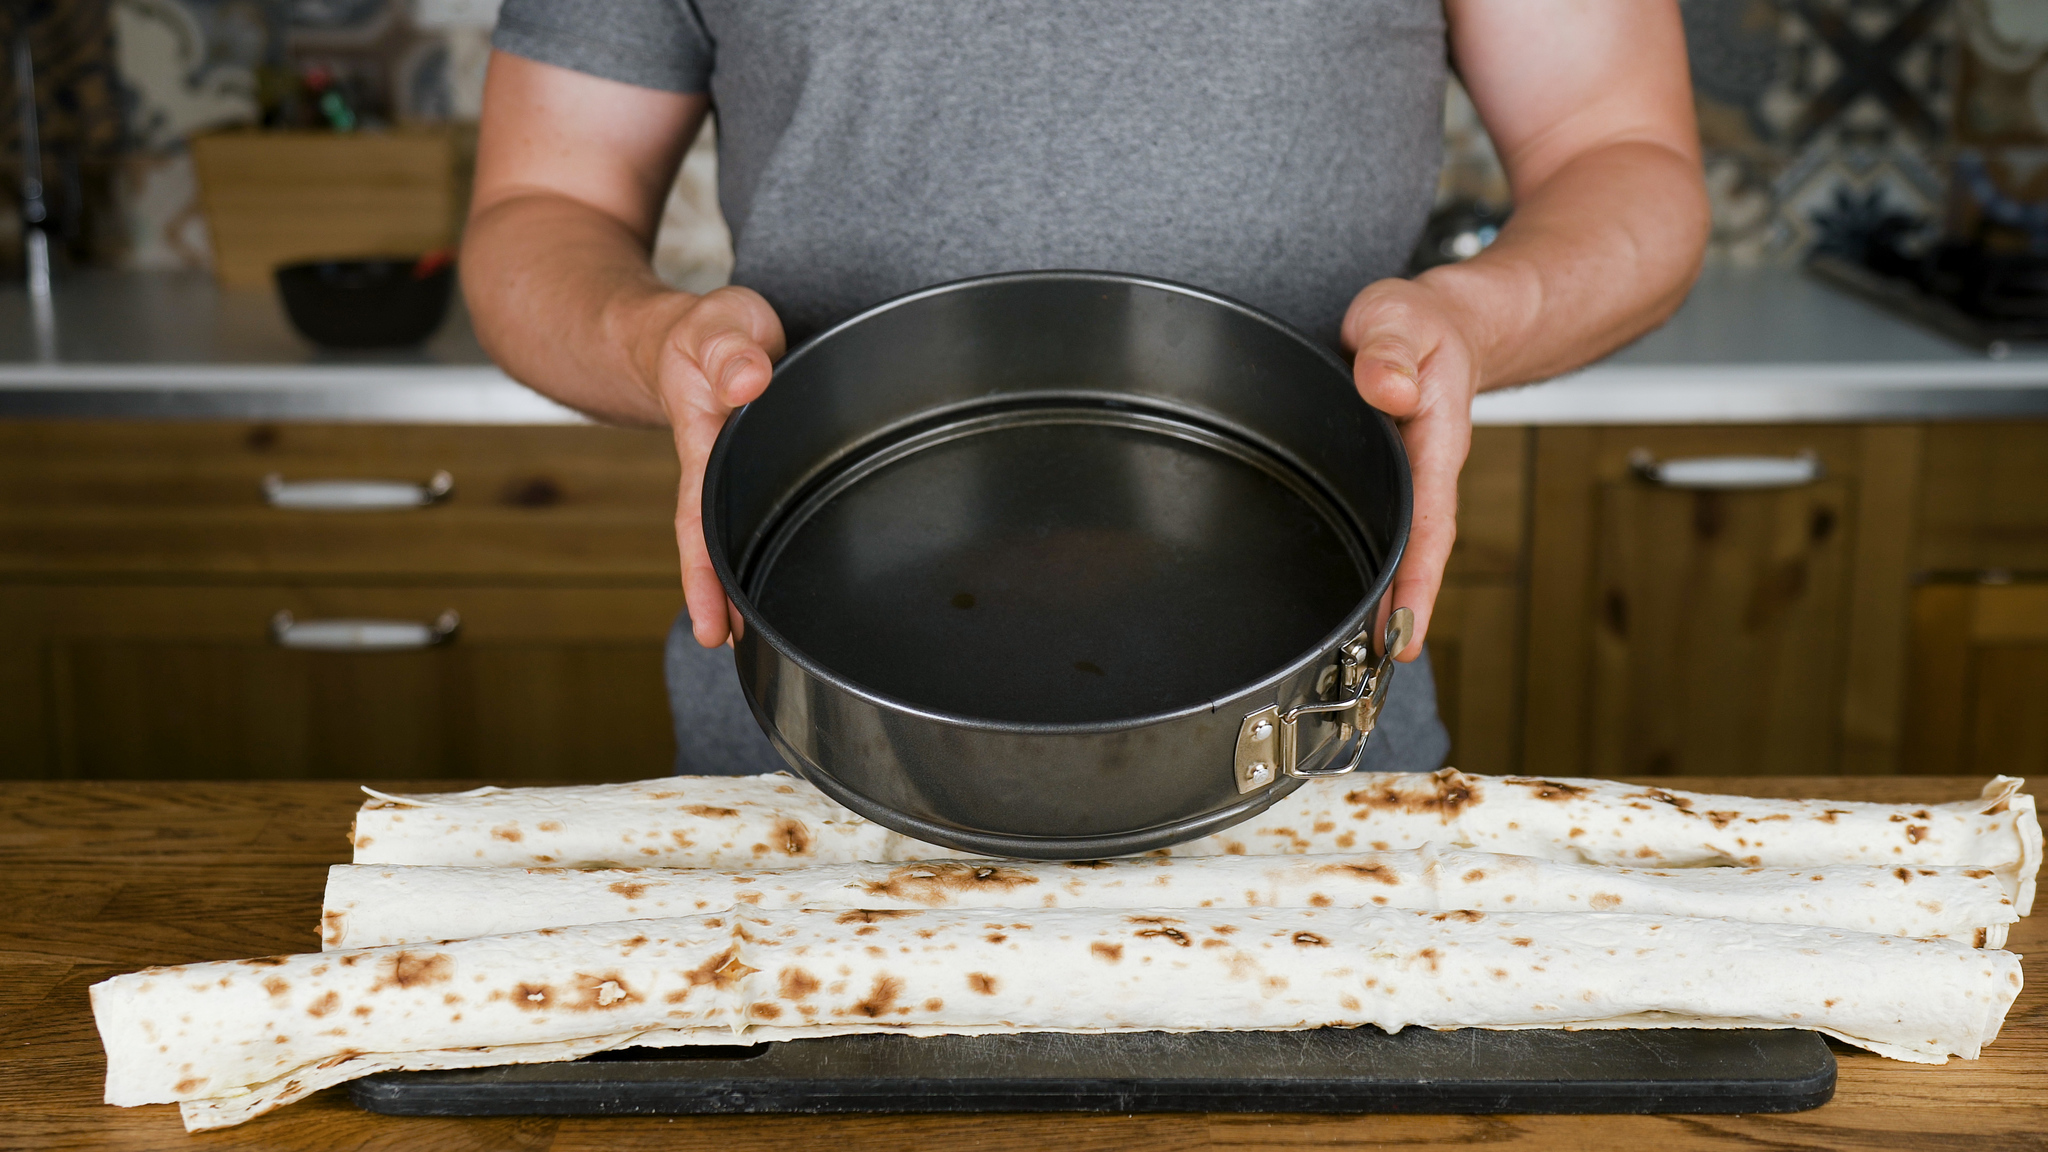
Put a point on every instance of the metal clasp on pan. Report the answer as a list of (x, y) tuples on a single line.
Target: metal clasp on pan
[(1269, 741)]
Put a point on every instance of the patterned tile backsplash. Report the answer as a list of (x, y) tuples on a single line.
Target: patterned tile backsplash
[(1820, 118)]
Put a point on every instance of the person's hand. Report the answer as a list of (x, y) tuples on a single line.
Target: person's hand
[(705, 357), (1412, 357)]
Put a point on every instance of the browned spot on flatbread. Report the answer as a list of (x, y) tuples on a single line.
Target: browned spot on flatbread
[(413, 970), (1090, 864), (508, 832), (1547, 789), (1474, 876), (631, 890), (982, 982), (551, 825), (1828, 817), (881, 997), (1114, 953), (190, 1084), (276, 986), (795, 983), (871, 915), (721, 971), (1602, 901), (1723, 819), (764, 1010), (363, 1011), (1310, 940), (1465, 915), (1905, 875), (1450, 790), (936, 882), (710, 812), (1521, 941), (1983, 935), (602, 992), (1318, 900), (1661, 796), (1915, 832), (1500, 973), (995, 937), (934, 1004), (333, 926), (1378, 872), (1168, 933), (532, 997), (324, 1005), (791, 838), (1979, 873), (264, 961), (1429, 956)]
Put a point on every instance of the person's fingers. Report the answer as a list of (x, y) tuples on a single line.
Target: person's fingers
[(721, 356), (1388, 378), (703, 595), (1437, 443)]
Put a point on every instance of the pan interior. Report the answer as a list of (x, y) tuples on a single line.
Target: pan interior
[(1059, 566)]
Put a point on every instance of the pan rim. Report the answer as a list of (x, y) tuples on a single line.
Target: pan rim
[(713, 523)]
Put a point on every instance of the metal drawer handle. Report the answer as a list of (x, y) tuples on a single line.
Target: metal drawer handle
[(1698, 472), (362, 635), (1268, 741), (355, 495)]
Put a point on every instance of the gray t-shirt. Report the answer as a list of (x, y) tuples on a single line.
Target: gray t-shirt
[(1281, 152)]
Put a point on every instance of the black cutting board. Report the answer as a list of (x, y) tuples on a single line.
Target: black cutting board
[(1321, 1070)]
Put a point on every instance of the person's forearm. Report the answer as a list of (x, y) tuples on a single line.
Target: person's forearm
[(1601, 252), (562, 295)]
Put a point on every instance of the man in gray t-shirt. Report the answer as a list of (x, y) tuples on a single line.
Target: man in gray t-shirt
[(1283, 153)]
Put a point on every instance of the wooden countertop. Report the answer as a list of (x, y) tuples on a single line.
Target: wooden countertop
[(102, 878)]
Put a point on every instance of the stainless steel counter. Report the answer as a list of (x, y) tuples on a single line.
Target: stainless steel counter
[(1750, 346)]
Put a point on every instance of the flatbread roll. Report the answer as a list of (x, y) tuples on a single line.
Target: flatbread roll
[(233, 1039), (368, 905), (776, 820)]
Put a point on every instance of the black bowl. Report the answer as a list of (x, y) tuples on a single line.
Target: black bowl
[(379, 303)]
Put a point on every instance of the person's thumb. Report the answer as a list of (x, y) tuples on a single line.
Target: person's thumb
[(1388, 373)]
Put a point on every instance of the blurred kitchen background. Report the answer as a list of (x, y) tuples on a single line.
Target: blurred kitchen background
[(191, 494), (1823, 119)]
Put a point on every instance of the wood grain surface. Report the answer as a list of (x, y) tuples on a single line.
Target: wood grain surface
[(102, 878)]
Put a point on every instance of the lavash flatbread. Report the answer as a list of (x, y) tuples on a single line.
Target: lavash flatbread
[(233, 1039), (754, 821), (370, 905)]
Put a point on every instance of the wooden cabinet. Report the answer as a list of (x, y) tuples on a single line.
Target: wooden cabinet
[(1890, 616), (141, 568), (1980, 679), (1717, 631), (1475, 638), (1979, 664)]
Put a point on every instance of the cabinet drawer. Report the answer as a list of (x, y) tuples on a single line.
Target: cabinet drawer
[(163, 682), (131, 498)]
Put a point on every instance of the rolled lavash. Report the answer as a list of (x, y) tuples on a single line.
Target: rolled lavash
[(368, 905), (776, 820), (230, 1040)]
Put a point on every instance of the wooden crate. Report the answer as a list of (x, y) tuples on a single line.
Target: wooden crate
[(275, 197)]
